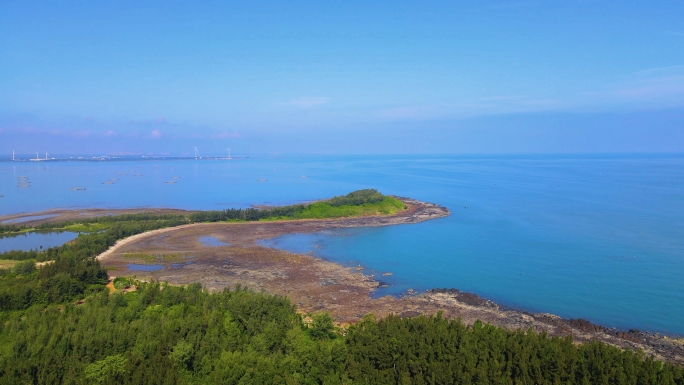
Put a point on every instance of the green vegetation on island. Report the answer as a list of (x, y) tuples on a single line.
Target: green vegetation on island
[(357, 203), (75, 273), (60, 324)]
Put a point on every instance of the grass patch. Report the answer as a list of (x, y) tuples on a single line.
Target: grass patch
[(326, 209), (345, 207), (7, 263), (122, 282), (156, 257), (86, 227)]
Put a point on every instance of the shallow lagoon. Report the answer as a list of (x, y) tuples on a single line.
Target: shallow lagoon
[(35, 241)]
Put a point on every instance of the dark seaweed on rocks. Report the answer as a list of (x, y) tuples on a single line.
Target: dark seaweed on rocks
[(581, 329), (467, 298)]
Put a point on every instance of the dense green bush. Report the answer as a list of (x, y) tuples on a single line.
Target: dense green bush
[(74, 271), (357, 198), (185, 335), (24, 267)]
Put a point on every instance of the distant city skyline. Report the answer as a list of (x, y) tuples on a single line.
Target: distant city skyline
[(341, 77)]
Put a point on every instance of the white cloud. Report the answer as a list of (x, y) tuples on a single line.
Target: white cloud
[(658, 87), (660, 71), (156, 134)]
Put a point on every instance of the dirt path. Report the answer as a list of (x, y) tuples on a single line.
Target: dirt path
[(133, 238)]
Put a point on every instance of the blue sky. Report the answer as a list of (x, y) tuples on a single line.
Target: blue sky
[(341, 77)]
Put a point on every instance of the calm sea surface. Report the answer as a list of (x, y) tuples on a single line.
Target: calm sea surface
[(600, 238)]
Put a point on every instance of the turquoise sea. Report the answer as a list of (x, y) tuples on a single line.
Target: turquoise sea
[(595, 237)]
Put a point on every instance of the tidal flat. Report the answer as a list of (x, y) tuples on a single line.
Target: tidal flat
[(315, 284)]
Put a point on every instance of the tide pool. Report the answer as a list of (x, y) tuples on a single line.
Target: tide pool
[(595, 237), (138, 267), (211, 241)]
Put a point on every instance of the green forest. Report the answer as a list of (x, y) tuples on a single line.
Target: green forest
[(59, 324)]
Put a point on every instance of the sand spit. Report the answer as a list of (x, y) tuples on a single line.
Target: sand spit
[(62, 215)]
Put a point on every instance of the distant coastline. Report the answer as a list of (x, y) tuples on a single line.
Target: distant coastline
[(23, 158)]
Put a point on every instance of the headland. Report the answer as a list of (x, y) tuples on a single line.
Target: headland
[(313, 284)]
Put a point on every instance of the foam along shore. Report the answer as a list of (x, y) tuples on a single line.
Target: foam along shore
[(314, 284)]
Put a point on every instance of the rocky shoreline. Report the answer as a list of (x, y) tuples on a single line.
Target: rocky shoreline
[(314, 284), (668, 348)]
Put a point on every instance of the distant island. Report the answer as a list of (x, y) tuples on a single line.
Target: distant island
[(235, 311)]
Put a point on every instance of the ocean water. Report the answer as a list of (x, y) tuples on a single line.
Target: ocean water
[(595, 237)]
